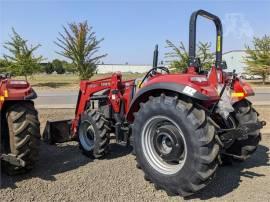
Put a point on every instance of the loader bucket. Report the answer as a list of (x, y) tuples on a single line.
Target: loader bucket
[(57, 131)]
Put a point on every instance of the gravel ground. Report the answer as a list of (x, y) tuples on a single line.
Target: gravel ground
[(63, 173), (264, 112)]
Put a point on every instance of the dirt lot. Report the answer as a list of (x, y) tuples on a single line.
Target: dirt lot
[(63, 173)]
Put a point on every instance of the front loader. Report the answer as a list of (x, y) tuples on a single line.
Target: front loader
[(19, 125), (182, 126)]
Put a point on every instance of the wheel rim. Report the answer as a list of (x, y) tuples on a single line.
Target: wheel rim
[(87, 135), (164, 145)]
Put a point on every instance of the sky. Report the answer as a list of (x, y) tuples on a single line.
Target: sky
[(132, 28)]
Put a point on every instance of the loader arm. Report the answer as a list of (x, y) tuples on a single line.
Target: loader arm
[(87, 89)]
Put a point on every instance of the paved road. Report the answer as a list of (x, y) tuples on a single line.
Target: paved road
[(69, 98), (57, 99), (262, 95)]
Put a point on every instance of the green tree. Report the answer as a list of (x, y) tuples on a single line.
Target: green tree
[(205, 55), (179, 55), (258, 57), (21, 59), (58, 66), (49, 68), (80, 45), (3, 65), (69, 67)]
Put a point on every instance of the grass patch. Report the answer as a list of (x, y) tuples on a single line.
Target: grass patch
[(67, 81)]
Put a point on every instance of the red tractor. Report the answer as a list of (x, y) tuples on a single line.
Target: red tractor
[(19, 125), (182, 126)]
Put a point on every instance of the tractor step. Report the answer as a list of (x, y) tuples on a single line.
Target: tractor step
[(13, 160), (57, 131)]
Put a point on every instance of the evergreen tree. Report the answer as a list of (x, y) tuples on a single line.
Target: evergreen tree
[(49, 68), (21, 59), (205, 55), (3, 65), (258, 57), (58, 66), (80, 45), (69, 67), (179, 55)]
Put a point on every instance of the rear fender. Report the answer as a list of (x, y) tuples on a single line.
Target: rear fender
[(166, 88), (17, 90)]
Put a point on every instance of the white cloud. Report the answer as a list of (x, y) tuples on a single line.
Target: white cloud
[(236, 25)]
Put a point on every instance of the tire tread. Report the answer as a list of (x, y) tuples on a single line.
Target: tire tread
[(206, 140)]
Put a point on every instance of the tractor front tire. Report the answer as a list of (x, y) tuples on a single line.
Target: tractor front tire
[(175, 146), (94, 137), (245, 113), (24, 134)]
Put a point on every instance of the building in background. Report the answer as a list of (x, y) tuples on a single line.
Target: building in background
[(235, 60), (107, 68)]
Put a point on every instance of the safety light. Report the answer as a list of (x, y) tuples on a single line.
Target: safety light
[(237, 94), (5, 93)]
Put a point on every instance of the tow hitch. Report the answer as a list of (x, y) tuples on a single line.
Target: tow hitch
[(241, 132)]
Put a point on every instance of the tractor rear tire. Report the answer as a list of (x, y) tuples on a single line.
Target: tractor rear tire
[(94, 137), (24, 134), (245, 113), (180, 154)]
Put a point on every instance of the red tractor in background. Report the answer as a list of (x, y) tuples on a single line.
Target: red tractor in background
[(19, 125), (181, 125)]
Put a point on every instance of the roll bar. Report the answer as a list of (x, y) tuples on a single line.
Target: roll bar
[(155, 57), (192, 37)]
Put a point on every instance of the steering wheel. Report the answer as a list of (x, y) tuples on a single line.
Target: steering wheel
[(152, 72)]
